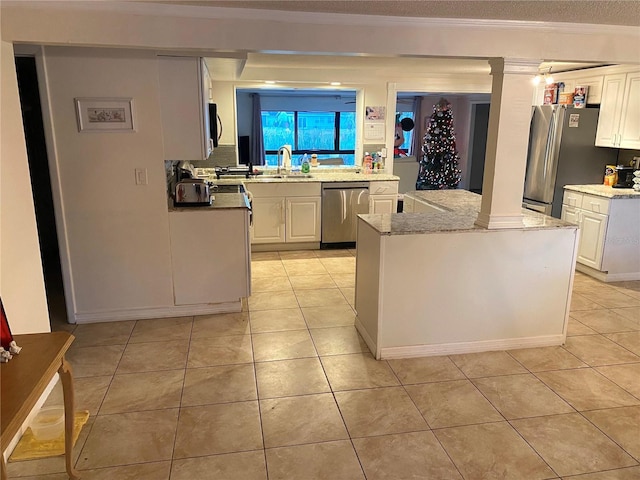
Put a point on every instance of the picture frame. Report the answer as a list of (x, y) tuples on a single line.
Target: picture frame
[(105, 114)]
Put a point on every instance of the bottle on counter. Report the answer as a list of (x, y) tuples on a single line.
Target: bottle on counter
[(305, 164), (367, 163), (314, 159), (377, 162)]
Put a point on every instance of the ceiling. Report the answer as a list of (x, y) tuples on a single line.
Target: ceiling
[(603, 12), (295, 68)]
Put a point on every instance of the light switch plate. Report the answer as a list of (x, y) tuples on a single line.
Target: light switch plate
[(141, 176)]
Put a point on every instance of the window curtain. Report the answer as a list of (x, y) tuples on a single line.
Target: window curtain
[(416, 142), (257, 143)]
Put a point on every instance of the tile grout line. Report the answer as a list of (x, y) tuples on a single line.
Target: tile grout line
[(184, 379)]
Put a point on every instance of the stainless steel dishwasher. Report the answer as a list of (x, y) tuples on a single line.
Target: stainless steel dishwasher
[(341, 203)]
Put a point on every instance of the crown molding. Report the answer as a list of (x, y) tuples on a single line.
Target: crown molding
[(315, 18), (514, 65)]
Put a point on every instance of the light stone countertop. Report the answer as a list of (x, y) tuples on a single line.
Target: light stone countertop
[(461, 209), (220, 201), (315, 176), (604, 191)]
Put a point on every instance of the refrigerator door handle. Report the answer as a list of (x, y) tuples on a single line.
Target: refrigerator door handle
[(551, 139)]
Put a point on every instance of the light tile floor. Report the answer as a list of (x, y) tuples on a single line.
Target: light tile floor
[(288, 390)]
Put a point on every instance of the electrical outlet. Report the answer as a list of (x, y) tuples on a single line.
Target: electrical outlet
[(141, 176)]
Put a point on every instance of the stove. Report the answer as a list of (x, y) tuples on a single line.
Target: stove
[(227, 189)]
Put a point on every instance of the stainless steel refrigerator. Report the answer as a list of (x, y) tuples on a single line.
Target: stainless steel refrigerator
[(562, 152)]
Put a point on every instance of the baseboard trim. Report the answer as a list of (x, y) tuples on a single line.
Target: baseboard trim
[(605, 276), (367, 338), (276, 247), (469, 347), (161, 312)]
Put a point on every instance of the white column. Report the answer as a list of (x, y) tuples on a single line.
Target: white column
[(507, 142)]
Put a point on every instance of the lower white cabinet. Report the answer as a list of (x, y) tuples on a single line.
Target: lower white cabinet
[(609, 233), (413, 204), (593, 228), (210, 255), (268, 220), (383, 196), (303, 219), (383, 203), (285, 213)]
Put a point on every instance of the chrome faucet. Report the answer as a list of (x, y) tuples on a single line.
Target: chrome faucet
[(280, 158)]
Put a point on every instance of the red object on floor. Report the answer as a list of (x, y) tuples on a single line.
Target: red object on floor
[(5, 338)]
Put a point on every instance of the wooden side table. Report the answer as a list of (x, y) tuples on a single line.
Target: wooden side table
[(23, 381)]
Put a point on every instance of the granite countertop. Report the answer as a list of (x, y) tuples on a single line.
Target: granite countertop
[(313, 176), (604, 191), (460, 211), (220, 201)]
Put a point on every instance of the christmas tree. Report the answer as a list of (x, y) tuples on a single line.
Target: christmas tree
[(439, 164)]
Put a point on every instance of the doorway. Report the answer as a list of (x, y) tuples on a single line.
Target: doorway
[(41, 187), (480, 122)]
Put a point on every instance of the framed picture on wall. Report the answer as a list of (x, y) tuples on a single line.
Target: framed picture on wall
[(105, 114)]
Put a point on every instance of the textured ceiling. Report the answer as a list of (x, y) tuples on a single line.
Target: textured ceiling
[(605, 12)]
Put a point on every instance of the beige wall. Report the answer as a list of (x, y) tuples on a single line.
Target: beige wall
[(117, 232), (21, 279)]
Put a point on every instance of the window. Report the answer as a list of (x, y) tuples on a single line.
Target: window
[(327, 134)]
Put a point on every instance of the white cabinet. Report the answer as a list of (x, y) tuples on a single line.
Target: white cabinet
[(383, 203), (609, 234), (619, 119), (285, 212), (383, 197), (268, 220), (573, 79), (593, 228), (413, 204), (184, 98), (579, 210), (210, 255), (303, 219)]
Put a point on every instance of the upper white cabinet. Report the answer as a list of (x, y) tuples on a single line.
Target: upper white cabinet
[(184, 98), (619, 120)]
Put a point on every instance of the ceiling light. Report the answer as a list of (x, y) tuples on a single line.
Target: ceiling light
[(270, 82), (548, 79), (335, 84)]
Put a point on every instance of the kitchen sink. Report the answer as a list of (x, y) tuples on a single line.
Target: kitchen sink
[(290, 175)]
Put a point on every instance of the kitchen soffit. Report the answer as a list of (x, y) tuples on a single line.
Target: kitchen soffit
[(259, 67)]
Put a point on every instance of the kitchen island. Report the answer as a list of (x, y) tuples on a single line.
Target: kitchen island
[(435, 283)]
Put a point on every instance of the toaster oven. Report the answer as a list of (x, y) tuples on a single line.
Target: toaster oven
[(192, 193)]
